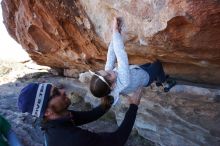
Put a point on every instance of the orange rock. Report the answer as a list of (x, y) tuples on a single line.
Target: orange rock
[(184, 35)]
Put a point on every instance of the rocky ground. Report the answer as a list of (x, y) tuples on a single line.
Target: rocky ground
[(14, 76)]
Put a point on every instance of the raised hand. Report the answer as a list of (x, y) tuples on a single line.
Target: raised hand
[(117, 22), (135, 97)]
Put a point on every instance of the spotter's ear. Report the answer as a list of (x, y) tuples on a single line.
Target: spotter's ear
[(48, 112)]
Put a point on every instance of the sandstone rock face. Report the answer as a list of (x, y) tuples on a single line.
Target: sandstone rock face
[(54, 33), (74, 35), (177, 119)]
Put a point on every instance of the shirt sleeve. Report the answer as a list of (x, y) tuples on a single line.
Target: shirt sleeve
[(83, 117), (4, 126), (123, 73), (111, 58), (122, 60), (115, 93), (127, 124)]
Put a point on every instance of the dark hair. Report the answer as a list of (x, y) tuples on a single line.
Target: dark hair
[(99, 88)]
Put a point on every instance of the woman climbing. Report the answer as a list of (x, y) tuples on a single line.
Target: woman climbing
[(125, 78)]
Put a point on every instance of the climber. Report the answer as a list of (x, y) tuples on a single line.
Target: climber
[(7, 135), (60, 125), (125, 79)]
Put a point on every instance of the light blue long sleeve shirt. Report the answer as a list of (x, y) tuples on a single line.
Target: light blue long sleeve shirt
[(129, 78)]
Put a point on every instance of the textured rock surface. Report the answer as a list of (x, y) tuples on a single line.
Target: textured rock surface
[(186, 116), (178, 119), (73, 35), (54, 33)]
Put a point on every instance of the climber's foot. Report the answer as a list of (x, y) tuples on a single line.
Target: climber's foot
[(169, 84), (158, 83)]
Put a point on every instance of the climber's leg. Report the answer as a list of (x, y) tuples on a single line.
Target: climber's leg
[(155, 71)]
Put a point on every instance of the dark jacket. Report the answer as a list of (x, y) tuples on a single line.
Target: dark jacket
[(64, 132)]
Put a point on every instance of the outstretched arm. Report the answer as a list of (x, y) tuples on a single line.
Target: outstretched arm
[(123, 74), (122, 60), (121, 55), (126, 126), (111, 58), (84, 117)]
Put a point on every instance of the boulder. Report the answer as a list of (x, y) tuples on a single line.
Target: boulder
[(74, 35)]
